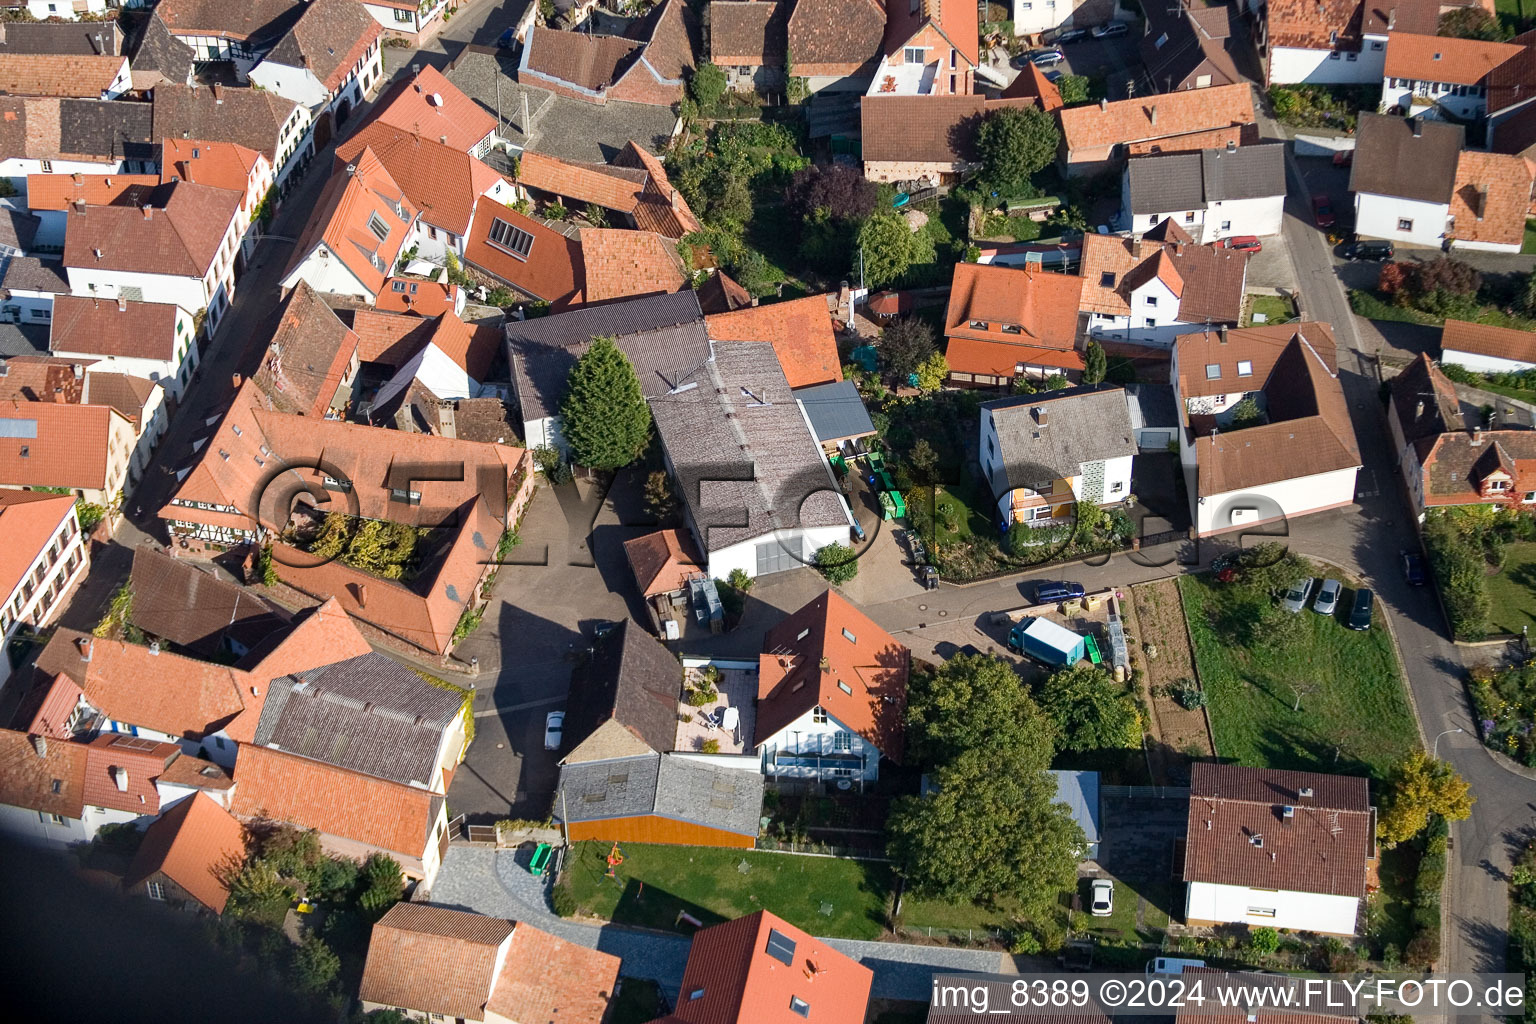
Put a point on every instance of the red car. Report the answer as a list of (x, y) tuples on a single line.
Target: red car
[(1241, 243), (1322, 211)]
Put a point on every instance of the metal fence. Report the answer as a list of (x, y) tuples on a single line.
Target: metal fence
[(766, 845)]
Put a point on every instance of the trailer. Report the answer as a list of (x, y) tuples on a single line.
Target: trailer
[(1045, 641)]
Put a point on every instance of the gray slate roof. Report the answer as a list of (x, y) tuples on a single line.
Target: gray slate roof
[(178, 601), (1191, 181), (18, 228), (1160, 184), (156, 49), (28, 273), (83, 38), (742, 450), (663, 335), (667, 786), (835, 410), (368, 714), (632, 679), (1391, 161), (23, 340), (120, 129), (1084, 424)]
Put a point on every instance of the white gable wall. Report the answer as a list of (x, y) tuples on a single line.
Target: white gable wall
[(1482, 364), (806, 737), (1296, 497), (1278, 908), (1378, 216), (1289, 64)]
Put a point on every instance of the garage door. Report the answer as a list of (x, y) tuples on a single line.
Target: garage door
[(772, 557), (1156, 439)]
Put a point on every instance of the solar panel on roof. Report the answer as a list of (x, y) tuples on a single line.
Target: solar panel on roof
[(133, 743), (781, 947)]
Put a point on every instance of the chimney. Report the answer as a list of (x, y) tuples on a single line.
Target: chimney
[(1040, 414), (1391, 19), (443, 139), (362, 595), (40, 745), (1305, 792), (1418, 410), (1152, 115), (1221, 332), (1477, 435), (85, 645), (154, 647), (235, 380), (1482, 202), (80, 206), (1231, 146), (122, 304), (149, 212), (120, 778), (1418, 126), (1103, 103), (79, 178), (218, 93)]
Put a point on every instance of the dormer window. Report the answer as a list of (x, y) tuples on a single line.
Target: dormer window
[(978, 325), (1498, 485), (378, 226), (1012, 329)]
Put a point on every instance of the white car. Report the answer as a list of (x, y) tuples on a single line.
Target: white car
[(554, 725), (1103, 903), (1327, 597), (1295, 598)]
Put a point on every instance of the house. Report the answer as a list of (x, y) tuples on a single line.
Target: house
[(45, 556), (312, 361), (280, 129), (659, 798), (78, 38), (87, 449), (28, 286), (800, 331), (1490, 201), (634, 186), (415, 22), (650, 64), (1301, 458), (426, 961), (141, 401), (1043, 453), (186, 854), (533, 259), (1511, 117), (179, 602), (46, 135), (1212, 194), (624, 698), (930, 49), (42, 785), (360, 226), (153, 340), (1036, 17), (762, 968), (423, 298), (440, 356), (835, 46), (95, 77), (1079, 790), (44, 9), (123, 779), (1484, 348), (224, 165), (428, 104), (52, 197), (1032, 84), (240, 33), (1336, 42), (922, 138), (619, 264), (664, 337), (749, 41), (1094, 138), (1403, 175), (1006, 322), (180, 248), (853, 712), (1150, 290), (18, 231), (1280, 849), (663, 563), (444, 183), (156, 57), (1188, 45), (327, 60), (757, 493), (1443, 74)]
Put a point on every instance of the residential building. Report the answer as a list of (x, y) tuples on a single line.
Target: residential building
[(45, 556), (852, 713), (761, 968), (141, 401), (224, 165), (280, 129), (433, 963), (327, 60), (1094, 138), (29, 286), (664, 337), (1443, 74), (52, 197), (624, 698), (666, 799), (1510, 88), (180, 602), (664, 563), (58, 35), (1277, 849), (42, 785), (1044, 453), (312, 361), (1037, 17), (1403, 174), (930, 49), (179, 248), (835, 46), (634, 186), (1212, 194), (411, 20), (749, 41), (650, 64), (619, 264), (1484, 348), (1491, 199), (94, 77), (430, 105), (1188, 45), (153, 340), (533, 259), (419, 297), (1150, 290), (85, 448), (360, 226), (1300, 458), (186, 855), (240, 33), (756, 491), (48, 135), (922, 138), (1033, 85), (156, 57), (799, 330), (1007, 322), (1336, 42)]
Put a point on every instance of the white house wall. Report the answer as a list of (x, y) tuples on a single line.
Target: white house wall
[(1291, 65), (42, 10), (39, 830), (17, 168), (743, 555), (325, 272), (1291, 498), (38, 610), (1300, 911), (297, 84), (1458, 245), (806, 736), (1228, 217), (1377, 216), (1482, 364)]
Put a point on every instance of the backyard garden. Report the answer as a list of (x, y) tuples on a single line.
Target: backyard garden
[(1483, 559), (1433, 291)]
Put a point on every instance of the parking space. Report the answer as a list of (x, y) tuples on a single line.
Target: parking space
[(1271, 266), (1137, 853), (1116, 60)]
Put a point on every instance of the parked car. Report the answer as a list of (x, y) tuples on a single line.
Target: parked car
[(1057, 590), (1363, 250), (1322, 211), (1344, 158), (1110, 30), (554, 727), (1360, 611), (1327, 597), (1413, 569), (507, 38), (1070, 35), (1241, 243), (1296, 598), (1103, 903), (1047, 58)]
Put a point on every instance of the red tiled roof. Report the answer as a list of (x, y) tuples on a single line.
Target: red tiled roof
[(120, 772), (1033, 85), (415, 296), (954, 19), (751, 34), (552, 271), (1432, 58), (51, 782), (29, 520), (1491, 197), (59, 700), (322, 636), (662, 561), (619, 264), (662, 208), (1001, 359), (546, 978), (193, 844), (444, 183), (105, 327), (1315, 24), (180, 235), (60, 191), (220, 164), (435, 960), (613, 188), (1208, 281), (351, 199), (800, 331), (309, 354), (871, 664), (1483, 340), (432, 106), (70, 448), (835, 37), (53, 74), (329, 38), (1041, 307), (194, 773), (221, 18), (1157, 117), (720, 294), (587, 61), (43, 379)]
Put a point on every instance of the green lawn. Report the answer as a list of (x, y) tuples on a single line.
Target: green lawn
[(1353, 717), (656, 882), (1372, 306), (1274, 308), (1512, 590), (1529, 245)]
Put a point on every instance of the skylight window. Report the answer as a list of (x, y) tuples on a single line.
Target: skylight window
[(781, 947), (1107, 279), (1244, 368), (1213, 371), (510, 239), (377, 225), (799, 1006)]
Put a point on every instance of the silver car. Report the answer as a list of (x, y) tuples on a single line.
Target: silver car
[(1296, 598), (1327, 597), (1103, 893)]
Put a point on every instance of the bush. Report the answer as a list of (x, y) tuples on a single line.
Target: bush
[(382, 885), (1264, 941), (710, 747), (838, 563), (314, 965), (562, 900), (1188, 696)]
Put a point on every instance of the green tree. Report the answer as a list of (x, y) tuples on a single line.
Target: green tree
[(932, 373), (258, 893), (706, 85), (381, 884), (891, 248), (904, 343), (314, 965), (923, 462), (1264, 941), (971, 701), (1473, 23), (739, 581), (1418, 787), (838, 563), (1245, 413), (1095, 363), (1090, 710), (659, 499), (605, 418), (1073, 89), (992, 832), (1012, 144), (331, 539)]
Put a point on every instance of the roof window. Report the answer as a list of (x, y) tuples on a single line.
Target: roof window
[(781, 947), (799, 1006), (510, 239), (1107, 279), (1213, 371), (378, 226), (850, 637), (1244, 368)]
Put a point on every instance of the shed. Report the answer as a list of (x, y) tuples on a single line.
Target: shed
[(835, 412), (1044, 638), (1080, 792)]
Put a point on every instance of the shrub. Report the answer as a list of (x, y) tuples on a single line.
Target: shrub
[(739, 581), (1189, 696), (837, 563), (314, 965), (710, 747), (563, 901), (382, 884), (555, 211), (1264, 941)]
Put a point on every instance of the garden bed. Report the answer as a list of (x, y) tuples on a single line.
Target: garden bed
[(1179, 735)]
